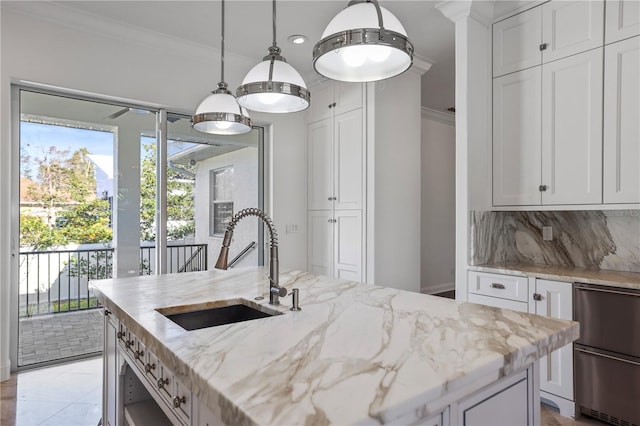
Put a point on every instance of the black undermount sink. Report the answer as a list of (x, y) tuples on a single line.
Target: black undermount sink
[(195, 317)]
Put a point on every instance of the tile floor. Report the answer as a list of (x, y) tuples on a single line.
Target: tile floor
[(66, 394)]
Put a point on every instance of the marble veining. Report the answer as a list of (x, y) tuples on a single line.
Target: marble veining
[(608, 240), (356, 353)]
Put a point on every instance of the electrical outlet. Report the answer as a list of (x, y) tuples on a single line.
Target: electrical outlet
[(547, 233), (292, 228)]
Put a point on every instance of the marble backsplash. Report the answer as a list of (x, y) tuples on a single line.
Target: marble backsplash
[(590, 239)]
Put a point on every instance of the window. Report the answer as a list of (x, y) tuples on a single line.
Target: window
[(221, 196)]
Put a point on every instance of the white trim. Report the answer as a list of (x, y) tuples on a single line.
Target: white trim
[(523, 5), (421, 64), (435, 115), (455, 10), (438, 288), (566, 407)]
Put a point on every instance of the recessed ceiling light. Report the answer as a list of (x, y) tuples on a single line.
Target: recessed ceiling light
[(297, 39)]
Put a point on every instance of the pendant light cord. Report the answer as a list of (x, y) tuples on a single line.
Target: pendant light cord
[(222, 47), (274, 23)]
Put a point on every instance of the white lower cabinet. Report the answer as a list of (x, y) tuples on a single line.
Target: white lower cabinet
[(555, 299), (511, 401), (336, 244), (542, 297)]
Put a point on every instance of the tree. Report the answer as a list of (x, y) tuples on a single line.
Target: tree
[(34, 232), (87, 222), (180, 199)]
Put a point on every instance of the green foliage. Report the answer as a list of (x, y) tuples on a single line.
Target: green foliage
[(87, 222), (36, 233), (180, 199), (98, 265)]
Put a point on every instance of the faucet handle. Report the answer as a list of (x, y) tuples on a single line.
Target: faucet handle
[(280, 291)]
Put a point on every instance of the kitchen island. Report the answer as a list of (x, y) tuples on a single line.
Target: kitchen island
[(355, 353)]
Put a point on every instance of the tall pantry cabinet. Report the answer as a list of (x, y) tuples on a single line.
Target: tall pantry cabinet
[(336, 180)]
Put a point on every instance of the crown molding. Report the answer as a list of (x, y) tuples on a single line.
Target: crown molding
[(421, 64), (454, 10), (74, 19), (434, 114)]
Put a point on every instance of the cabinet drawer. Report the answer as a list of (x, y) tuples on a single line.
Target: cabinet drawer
[(496, 285)]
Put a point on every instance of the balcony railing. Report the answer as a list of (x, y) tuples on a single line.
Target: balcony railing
[(58, 281)]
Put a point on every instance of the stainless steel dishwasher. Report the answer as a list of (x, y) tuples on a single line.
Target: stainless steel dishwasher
[(607, 355)]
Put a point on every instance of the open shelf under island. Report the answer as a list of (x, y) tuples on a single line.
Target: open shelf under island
[(355, 353)]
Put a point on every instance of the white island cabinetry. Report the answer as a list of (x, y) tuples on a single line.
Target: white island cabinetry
[(327, 357)]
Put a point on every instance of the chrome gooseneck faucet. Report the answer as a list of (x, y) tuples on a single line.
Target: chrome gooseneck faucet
[(275, 291)]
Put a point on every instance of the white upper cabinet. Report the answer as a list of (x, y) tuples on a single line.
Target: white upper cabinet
[(516, 42), (572, 130), (552, 31), (516, 138), (348, 160), (570, 27), (623, 20), (622, 121), (332, 97), (319, 165)]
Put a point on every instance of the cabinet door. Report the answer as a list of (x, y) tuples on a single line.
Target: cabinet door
[(347, 96), (556, 369), (572, 129), (570, 27), (320, 243), (319, 165), (321, 102), (348, 163), (621, 122), (348, 245), (622, 20), (516, 42), (517, 138), (110, 373), (508, 402)]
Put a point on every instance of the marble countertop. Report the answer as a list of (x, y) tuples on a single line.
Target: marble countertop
[(355, 353), (566, 273)]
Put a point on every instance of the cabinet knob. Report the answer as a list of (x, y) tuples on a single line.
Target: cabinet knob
[(544, 46), (179, 400), (537, 297), (333, 104), (107, 312), (120, 334), (138, 354), (329, 198), (543, 188), (162, 383), (329, 105), (149, 367)]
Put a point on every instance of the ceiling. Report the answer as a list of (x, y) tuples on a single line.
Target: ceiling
[(248, 31)]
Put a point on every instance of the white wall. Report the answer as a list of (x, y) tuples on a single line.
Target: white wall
[(245, 194), (144, 67), (397, 182), (438, 153)]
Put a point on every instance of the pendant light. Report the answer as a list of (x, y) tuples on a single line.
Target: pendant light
[(219, 113), (364, 42), (273, 85)]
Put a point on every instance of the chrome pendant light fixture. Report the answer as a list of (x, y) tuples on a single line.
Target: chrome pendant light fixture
[(273, 85), (364, 42), (219, 113)]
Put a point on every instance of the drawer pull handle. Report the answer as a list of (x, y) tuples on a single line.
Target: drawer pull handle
[(162, 383), (179, 400), (498, 286), (149, 367)]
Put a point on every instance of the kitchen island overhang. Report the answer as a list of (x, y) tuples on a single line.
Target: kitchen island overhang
[(356, 353)]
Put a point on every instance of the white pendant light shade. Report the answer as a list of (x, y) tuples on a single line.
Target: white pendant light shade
[(361, 45), (220, 113), (284, 92), (273, 85)]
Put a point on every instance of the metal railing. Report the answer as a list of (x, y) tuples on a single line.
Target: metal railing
[(58, 281)]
